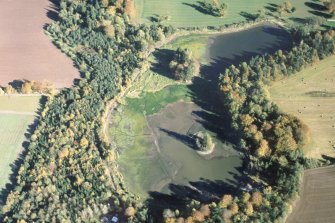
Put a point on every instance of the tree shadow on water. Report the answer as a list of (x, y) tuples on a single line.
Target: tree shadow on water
[(187, 140), (203, 190)]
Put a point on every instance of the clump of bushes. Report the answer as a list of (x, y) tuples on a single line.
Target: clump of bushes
[(214, 7), (286, 7), (28, 87), (203, 141), (183, 66)]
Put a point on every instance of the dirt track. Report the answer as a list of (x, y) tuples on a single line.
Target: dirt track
[(317, 198), (25, 51)]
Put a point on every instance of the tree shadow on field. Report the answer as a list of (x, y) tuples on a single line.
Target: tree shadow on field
[(15, 166), (199, 6), (271, 7), (318, 10), (53, 10), (298, 20), (316, 6), (163, 57), (249, 16), (17, 84)]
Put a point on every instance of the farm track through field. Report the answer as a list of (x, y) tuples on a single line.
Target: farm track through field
[(26, 52), (317, 197)]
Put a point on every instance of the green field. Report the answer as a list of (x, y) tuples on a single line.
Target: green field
[(182, 13), (17, 113), (310, 95)]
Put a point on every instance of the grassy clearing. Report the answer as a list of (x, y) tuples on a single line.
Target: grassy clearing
[(310, 95), (16, 114), (19, 103), (157, 78), (183, 13), (317, 200)]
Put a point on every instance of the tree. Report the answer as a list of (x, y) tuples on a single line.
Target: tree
[(182, 65), (205, 210), (109, 30), (10, 90), (203, 141), (26, 88), (330, 5), (226, 200), (130, 212), (256, 198), (234, 208), (285, 7), (263, 149), (249, 209), (214, 7), (198, 216)]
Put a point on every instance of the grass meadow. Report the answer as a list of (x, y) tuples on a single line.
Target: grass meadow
[(184, 13), (17, 113), (310, 95)]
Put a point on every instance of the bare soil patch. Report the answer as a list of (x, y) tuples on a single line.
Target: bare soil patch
[(26, 52), (317, 202)]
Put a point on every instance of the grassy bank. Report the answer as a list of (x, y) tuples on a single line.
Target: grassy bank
[(186, 13), (17, 113), (310, 95)]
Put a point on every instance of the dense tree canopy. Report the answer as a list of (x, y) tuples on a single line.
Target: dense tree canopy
[(183, 66), (68, 174)]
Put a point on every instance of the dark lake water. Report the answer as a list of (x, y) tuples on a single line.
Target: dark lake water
[(233, 48)]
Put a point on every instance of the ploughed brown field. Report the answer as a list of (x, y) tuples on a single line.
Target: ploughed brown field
[(317, 197), (25, 51)]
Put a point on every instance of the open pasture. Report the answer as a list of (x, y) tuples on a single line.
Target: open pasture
[(186, 13), (17, 113), (310, 95)]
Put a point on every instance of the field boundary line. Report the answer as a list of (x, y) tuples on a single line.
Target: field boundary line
[(10, 112)]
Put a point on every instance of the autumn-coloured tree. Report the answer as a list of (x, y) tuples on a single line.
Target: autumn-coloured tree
[(234, 208), (26, 88), (198, 216), (10, 90), (226, 200), (130, 212), (256, 198), (109, 30), (263, 149), (245, 197), (249, 209), (83, 142), (205, 210), (330, 5)]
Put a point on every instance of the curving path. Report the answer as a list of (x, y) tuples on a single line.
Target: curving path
[(25, 51)]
